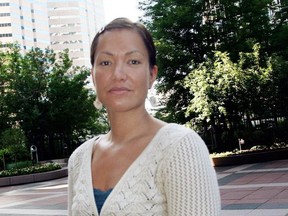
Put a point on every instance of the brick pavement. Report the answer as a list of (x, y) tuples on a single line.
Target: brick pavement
[(41, 199), (254, 189), (246, 190)]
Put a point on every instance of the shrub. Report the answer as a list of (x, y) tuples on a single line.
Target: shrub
[(30, 170), (18, 165), (256, 148)]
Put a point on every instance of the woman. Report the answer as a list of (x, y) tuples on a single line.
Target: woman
[(143, 166)]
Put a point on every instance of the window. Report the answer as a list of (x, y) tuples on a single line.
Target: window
[(6, 35), (5, 24), (4, 14), (3, 45), (4, 4)]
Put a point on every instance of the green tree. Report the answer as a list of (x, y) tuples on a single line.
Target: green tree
[(72, 115), (226, 93), (27, 93), (176, 27), (13, 144), (49, 100), (188, 32), (9, 61)]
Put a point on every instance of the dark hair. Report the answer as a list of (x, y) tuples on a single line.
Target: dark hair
[(124, 23)]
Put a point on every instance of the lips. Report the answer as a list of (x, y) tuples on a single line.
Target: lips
[(119, 90)]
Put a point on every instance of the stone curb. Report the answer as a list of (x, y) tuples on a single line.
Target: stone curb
[(32, 178), (249, 158)]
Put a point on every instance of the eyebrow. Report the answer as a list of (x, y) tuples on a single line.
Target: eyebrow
[(126, 54), (134, 51)]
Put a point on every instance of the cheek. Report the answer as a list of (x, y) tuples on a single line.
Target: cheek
[(98, 77), (145, 82)]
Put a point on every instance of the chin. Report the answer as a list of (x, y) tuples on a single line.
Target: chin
[(124, 107)]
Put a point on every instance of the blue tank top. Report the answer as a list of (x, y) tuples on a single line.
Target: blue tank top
[(100, 197)]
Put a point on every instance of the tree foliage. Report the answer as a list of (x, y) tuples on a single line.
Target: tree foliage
[(13, 144), (226, 92), (231, 96), (222, 64), (188, 32), (48, 99)]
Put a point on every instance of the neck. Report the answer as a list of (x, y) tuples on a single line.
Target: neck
[(127, 126)]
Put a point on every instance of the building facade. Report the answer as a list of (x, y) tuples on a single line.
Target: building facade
[(24, 22), (57, 24), (73, 25)]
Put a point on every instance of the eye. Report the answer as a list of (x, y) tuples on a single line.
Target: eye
[(134, 62), (105, 63)]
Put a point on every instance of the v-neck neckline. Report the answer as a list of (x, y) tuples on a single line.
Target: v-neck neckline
[(131, 167)]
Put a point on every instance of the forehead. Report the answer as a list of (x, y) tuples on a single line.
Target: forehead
[(119, 38)]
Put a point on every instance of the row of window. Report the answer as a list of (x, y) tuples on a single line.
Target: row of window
[(6, 35), (3, 45), (8, 14), (4, 4), (6, 45), (10, 35), (4, 14), (5, 24)]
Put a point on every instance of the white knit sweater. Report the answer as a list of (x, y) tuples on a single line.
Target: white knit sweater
[(172, 176)]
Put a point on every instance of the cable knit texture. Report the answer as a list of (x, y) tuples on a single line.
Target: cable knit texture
[(173, 176)]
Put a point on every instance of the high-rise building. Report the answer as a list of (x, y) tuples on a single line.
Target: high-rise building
[(73, 25), (58, 24), (25, 22)]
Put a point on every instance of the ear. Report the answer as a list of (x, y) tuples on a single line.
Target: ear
[(92, 71), (153, 75)]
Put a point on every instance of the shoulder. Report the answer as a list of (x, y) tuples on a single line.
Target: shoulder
[(82, 151), (182, 139), (178, 132)]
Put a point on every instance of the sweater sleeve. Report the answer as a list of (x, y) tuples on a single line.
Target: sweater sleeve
[(190, 181), (70, 185)]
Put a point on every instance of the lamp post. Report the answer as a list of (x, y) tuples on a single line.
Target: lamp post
[(34, 154), (241, 142)]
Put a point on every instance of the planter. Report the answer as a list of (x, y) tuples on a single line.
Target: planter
[(31, 178), (253, 157)]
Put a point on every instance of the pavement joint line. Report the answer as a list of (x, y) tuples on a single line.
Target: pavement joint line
[(33, 193), (263, 170), (37, 185), (52, 187), (220, 176), (34, 212), (255, 185), (230, 178), (255, 212), (29, 200), (238, 168)]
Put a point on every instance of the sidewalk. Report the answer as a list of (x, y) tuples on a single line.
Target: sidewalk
[(41, 199), (247, 190), (254, 189)]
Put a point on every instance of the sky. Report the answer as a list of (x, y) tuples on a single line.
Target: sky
[(118, 8)]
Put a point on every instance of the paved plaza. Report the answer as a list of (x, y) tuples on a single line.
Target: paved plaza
[(252, 190)]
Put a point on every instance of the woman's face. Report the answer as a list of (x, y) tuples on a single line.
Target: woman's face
[(121, 70)]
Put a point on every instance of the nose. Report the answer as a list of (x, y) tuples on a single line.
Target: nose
[(119, 71)]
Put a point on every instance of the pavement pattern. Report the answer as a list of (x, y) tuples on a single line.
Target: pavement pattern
[(259, 189)]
